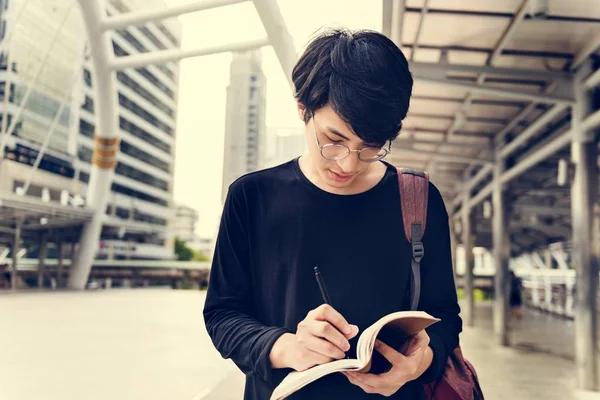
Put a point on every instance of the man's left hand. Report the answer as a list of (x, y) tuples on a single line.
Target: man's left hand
[(405, 368)]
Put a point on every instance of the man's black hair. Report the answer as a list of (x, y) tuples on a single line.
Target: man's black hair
[(362, 75)]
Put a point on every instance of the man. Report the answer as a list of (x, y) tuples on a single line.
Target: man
[(336, 207), (515, 298)]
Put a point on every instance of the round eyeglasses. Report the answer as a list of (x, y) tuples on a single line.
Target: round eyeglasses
[(335, 151)]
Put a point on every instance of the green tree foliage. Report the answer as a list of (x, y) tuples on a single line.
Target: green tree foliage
[(183, 252), (199, 256)]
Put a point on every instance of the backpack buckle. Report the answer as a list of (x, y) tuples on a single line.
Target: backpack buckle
[(418, 251), (414, 172)]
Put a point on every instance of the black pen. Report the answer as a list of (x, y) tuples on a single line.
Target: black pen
[(324, 293)]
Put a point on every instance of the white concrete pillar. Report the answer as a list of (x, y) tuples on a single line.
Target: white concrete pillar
[(501, 240), (61, 265), (42, 260), (106, 139), (548, 306), (467, 228), (584, 191), (548, 258), (15, 249), (453, 245)]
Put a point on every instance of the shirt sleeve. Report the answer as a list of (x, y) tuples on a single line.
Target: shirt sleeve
[(228, 310), (438, 290)]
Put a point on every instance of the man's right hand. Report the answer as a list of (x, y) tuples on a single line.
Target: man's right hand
[(321, 337)]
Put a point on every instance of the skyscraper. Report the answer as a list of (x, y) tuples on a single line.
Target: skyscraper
[(140, 207), (285, 143), (245, 130), (44, 44)]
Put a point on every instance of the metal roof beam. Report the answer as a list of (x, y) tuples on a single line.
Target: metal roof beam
[(411, 142), (474, 13), (438, 74), (279, 36), (481, 174), (386, 18), (540, 154), (30, 204), (439, 71), (544, 192), (508, 33), (495, 91), (4, 229), (591, 123), (397, 21), (499, 138), (593, 80), (415, 45), (513, 124), (588, 49), (485, 120), (165, 56), (543, 210), (482, 135), (486, 102), (142, 17), (444, 156), (536, 127), (505, 52), (552, 230), (543, 152)]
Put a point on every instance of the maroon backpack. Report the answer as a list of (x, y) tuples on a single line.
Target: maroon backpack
[(459, 380)]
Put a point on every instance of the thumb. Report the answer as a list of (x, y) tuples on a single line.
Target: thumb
[(388, 352)]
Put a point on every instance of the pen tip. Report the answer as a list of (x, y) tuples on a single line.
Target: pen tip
[(316, 269)]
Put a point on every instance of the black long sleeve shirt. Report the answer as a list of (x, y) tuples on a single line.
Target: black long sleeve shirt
[(276, 227)]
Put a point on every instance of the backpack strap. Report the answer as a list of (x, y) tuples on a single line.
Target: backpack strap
[(414, 193)]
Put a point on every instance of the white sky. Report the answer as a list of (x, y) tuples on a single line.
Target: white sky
[(203, 81)]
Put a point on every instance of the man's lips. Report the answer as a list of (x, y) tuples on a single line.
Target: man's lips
[(340, 177)]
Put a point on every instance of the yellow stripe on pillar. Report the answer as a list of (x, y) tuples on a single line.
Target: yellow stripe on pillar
[(105, 152)]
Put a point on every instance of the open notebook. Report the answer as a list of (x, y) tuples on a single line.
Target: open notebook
[(404, 323)]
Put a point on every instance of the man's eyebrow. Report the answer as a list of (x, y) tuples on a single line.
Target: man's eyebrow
[(336, 132)]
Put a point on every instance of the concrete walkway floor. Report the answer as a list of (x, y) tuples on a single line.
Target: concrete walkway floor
[(151, 344)]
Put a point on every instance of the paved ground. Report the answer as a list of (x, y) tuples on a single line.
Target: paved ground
[(137, 344), (151, 345), (539, 366), (529, 370)]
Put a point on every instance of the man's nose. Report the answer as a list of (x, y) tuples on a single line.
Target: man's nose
[(348, 164)]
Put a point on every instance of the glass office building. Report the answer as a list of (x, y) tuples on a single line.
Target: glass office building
[(245, 121), (140, 208)]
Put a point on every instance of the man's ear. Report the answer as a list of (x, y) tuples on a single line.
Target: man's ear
[(301, 111)]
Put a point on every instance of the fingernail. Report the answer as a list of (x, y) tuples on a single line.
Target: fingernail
[(348, 330)]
